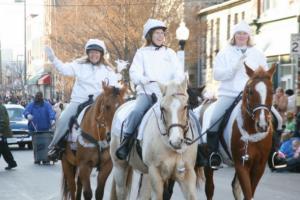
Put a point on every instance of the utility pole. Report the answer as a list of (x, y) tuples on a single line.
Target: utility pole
[(25, 57), (0, 65)]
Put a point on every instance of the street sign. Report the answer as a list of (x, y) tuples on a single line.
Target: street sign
[(295, 44)]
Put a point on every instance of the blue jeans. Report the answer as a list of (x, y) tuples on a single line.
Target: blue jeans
[(142, 104)]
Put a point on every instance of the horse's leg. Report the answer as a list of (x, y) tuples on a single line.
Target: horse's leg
[(236, 188), (122, 174), (84, 175), (244, 178), (168, 189), (256, 174), (157, 183), (209, 182), (69, 178), (188, 184), (102, 177), (79, 189)]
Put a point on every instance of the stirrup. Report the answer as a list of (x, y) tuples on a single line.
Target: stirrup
[(215, 166), (55, 154), (280, 163)]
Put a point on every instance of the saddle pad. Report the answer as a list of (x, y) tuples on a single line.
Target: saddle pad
[(122, 114), (227, 131), (81, 115)]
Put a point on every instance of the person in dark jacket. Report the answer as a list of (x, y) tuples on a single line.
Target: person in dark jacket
[(40, 115), (4, 133)]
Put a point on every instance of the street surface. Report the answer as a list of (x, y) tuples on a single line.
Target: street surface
[(42, 182)]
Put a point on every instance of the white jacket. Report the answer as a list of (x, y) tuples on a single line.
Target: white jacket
[(88, 78), (160, 65), (230, 71)]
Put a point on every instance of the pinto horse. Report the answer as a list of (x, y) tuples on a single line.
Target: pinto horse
[(166, 153), (92, 150), (248, 135)]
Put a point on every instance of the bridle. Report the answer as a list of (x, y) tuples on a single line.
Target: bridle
[(184, 127), (252, 109)]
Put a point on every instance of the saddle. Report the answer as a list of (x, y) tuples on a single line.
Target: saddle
[(84, 104), (224, 120)]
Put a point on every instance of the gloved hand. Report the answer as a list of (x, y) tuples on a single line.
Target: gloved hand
[(52, 122), (29, 117), (50, 53), (145, 80), (240, 63)]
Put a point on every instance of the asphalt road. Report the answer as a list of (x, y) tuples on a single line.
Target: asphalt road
[(42, 182)]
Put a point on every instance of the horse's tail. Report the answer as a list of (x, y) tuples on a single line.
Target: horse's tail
[(200, 176)]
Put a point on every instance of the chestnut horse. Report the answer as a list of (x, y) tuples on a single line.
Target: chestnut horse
[(248, 135), (92, 151)]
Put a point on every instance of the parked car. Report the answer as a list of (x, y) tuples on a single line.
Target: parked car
[(18, 125)]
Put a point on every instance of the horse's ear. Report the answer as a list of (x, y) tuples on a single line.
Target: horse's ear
[(163, 88), (272, 70), (124, 89), (200, 90), (249, 71), (185, 81), (104, 86)]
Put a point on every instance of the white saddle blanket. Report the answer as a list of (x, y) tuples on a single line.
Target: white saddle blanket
[(74, 133), (123, 112)]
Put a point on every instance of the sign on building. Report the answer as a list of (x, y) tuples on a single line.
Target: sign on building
[(295, 44)]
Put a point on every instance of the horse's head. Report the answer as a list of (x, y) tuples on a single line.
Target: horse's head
[(257, 97), (174, 111), (108, 102), (195, 96)]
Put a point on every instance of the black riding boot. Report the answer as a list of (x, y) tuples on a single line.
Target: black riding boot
[(201, 158), (56, 152), (215, 159), (125, 147)]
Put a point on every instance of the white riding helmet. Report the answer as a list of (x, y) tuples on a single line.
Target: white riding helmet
[(95, 44), (153, 24)]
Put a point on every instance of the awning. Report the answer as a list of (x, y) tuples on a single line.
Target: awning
[(33, 80), (45, 80)]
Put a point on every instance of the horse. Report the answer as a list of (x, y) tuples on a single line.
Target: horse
[(92, 146), (166, 153), (248, 135)]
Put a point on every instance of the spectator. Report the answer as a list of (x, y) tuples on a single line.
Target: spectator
[(291, 150), (40, 114), (4, 133), (280, 102), (58, 108), (291, 107)]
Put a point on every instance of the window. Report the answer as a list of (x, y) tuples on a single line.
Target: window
[(228, 26), (217, 34), (235, 18), (211, 41), (243, 15), (266, 5)]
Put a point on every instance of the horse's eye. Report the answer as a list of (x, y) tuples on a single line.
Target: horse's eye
[(186, 107), (107, 107)]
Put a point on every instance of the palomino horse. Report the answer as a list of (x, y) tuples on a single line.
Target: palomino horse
[(92, 150), (248, 135), (166, 153)]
